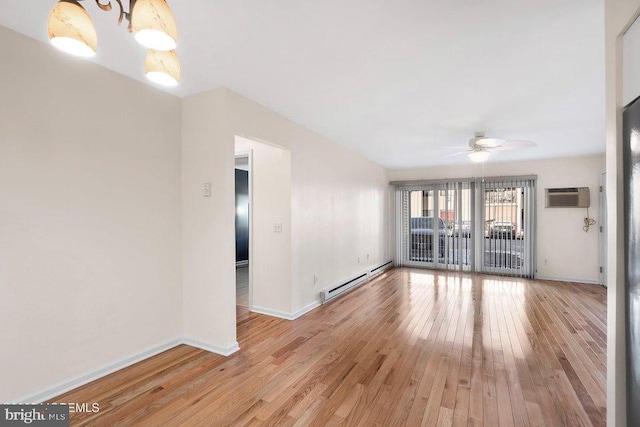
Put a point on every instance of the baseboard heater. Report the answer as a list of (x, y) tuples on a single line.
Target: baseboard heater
[(380, 269), (354, 282)]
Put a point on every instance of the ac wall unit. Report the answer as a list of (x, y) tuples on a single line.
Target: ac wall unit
[(570, 197)]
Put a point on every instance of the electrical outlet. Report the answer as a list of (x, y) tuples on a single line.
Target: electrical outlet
[(545, 262), (367, 256), (358, 260), (315, 279), (207, 189), (277, 227)]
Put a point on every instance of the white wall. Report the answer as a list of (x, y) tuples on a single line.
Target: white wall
[(270, 257), (631, 63), (208, 227), (340, 215), (90, 267), (339, 211), (571, 253), (339, 201), (619, 15)]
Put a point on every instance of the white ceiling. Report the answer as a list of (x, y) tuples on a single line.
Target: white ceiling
[(397, 81)]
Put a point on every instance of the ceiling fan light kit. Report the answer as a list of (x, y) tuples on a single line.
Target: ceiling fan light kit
[(481, 148), (479, 156), (71, 29)]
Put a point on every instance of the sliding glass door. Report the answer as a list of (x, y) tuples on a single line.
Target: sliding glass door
[(436, 226), (457, 209), (507, 211), (482, 225), (424, 229)]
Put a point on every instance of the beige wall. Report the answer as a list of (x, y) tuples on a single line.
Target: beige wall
[(339, 213), (208, 245), (89, 217), (570, 253), (339, 201), (619, 15)]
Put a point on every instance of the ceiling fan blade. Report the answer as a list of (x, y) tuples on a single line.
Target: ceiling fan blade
[(456, 154), (489, 142), (514, 145)]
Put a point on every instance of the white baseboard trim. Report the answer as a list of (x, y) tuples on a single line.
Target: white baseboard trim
[(286, 316), (272, 313), (224, 351), (304, 310), (66, 386), (566, 279)]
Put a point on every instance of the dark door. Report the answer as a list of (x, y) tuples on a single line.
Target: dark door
[(631, 153)]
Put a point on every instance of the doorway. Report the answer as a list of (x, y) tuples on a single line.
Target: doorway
[(243, 228)]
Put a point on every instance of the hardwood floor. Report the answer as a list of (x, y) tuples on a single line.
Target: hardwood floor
[(413, 347), (242, 286)]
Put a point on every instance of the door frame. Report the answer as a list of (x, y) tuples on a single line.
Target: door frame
[(602, 229), (249, 156)]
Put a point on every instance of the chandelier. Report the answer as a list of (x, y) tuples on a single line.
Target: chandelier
[(151, 22)]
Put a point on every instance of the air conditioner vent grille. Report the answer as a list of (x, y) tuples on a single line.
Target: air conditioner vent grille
[(569, 197), (562, 190), (565, 200)]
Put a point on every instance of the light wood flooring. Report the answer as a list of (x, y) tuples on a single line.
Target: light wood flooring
[(413, 347), (242, 286)]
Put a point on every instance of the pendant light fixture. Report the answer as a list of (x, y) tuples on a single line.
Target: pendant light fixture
[(71, 29), (153, 25), (162, 67)]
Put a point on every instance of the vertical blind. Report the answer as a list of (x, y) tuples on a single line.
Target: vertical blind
[(484, 225)]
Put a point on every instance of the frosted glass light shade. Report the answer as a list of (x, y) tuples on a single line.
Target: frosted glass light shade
[(71, 29), (162, 67), (479, 156), (153, 25)]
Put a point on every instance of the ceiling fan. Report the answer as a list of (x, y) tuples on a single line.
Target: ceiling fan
[(481, 147)]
